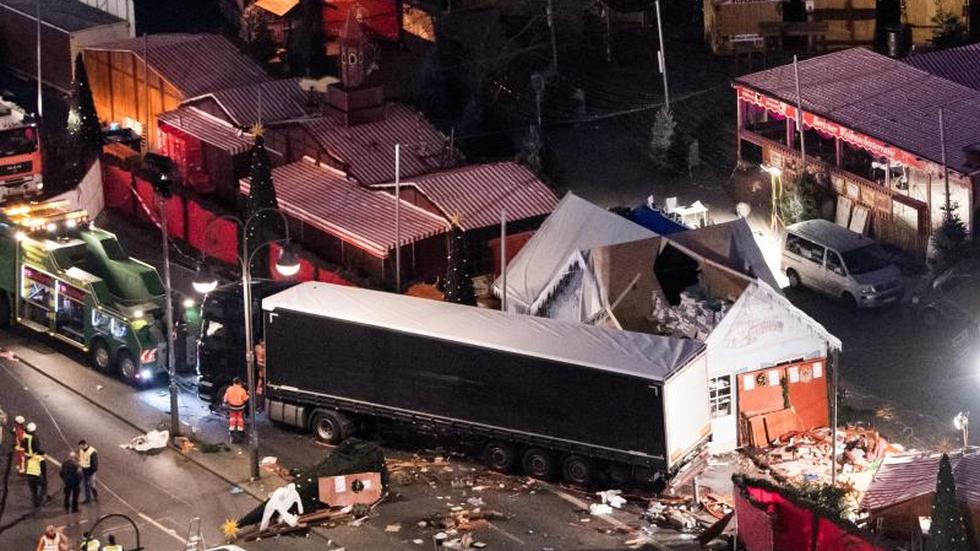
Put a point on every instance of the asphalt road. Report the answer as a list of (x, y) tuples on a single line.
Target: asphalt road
[(163, 492)]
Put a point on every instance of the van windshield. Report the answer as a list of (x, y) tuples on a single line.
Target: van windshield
[(869, 258)]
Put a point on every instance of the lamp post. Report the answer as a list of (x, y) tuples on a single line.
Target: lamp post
[(204, 282)]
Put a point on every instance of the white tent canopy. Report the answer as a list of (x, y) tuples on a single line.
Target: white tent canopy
[(575, 225)]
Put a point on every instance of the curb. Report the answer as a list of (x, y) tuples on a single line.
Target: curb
[(129, 423)]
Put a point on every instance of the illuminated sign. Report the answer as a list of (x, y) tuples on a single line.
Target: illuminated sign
[(874, 146)]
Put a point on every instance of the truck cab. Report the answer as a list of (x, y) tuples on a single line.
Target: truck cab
[(20, 152), (221, 345), (64, 277)]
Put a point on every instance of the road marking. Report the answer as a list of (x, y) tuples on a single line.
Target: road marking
[(508, 534), (169, 531)]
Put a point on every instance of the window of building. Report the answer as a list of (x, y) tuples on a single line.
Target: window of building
[(720, 394)]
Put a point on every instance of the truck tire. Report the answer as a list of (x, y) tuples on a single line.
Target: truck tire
[(6, 315), (794, 278), (101, 356), (538, 463), (331, 427), (127, 367), (499, 456), (577, 470)]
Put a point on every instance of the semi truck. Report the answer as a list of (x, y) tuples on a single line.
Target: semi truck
[(63, 277), (20, 152), (552, 397)]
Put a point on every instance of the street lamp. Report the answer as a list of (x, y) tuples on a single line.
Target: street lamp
[(205, 281)]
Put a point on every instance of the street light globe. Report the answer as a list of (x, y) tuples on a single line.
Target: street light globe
[(204, 281), (288, 262)]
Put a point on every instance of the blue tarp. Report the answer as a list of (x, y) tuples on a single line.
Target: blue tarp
[(655, 221)]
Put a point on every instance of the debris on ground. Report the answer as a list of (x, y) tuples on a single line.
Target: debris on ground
[(184, 444), (612, 498), (600, 509), (153, 440), (464, 520)]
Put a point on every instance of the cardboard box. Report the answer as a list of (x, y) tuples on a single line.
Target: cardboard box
[(350, 489)]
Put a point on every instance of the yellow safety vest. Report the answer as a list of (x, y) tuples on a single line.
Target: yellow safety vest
[(34, 465), (28, 443), (85, 457), (116, 547), (93, 545)]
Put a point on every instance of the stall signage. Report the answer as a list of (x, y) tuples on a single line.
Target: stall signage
[(872, 145)]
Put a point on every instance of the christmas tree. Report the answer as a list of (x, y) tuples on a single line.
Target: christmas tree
[(459, 280), (948, 531), (264, 224), (662, 137), (84, 130)]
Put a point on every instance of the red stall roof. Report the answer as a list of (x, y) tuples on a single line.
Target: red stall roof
[(477, 193), (195, 64), (960, 65), (325, 199), (207, 128), (903, 479), (282, 100), (883, 98), (368, 149)]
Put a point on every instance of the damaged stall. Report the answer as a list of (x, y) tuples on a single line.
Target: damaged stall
[(767, 360)]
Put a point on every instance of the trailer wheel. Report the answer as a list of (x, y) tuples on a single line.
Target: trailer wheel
[(499, 456), (331, 427), (6, 318), (101, 357), (577, 470), (538, 463)]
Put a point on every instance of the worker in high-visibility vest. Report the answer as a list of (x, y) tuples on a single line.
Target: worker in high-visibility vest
[(18, 430), (111, 544), (52, 540), (235, 398), (88, 459), (36, 469)]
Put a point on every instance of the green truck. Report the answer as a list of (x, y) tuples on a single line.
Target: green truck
[(62, 276)]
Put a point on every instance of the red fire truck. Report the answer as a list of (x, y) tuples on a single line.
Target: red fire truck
[(20, 153)]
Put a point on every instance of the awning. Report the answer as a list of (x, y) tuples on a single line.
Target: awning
[(278, 8), (207, 128)]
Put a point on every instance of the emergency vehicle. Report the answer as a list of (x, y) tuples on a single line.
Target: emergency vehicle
[(20, 153)]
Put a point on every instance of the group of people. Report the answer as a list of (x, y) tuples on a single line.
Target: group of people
[(54, 539), (78, 471)]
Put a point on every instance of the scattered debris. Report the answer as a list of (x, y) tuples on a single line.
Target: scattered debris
[(235, 490), (153, 440), (613, 498), (268, 460), (394, 528), (600, 509)]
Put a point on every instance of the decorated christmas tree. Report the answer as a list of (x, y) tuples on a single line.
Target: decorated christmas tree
[(662, 137), (84, 130), (265, 224), (459, 280), (948, 531)]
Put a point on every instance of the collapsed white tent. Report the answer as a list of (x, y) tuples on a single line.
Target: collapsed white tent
[(575, 225)]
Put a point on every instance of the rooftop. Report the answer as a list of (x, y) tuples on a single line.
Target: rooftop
[(368, 149), (637, 354), (67, 15), (324, 198), (178, 59), (883, 98), (903, 478), (281, 100), (478, 193), (961, 65)]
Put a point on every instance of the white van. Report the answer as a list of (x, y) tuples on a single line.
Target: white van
[(834, 260)]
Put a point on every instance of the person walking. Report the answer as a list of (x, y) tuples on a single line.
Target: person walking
[(88, 459), (31, 441), (71, 475), (52, 540), (19, 456), (89, 543), (36, 469), (235, 399)]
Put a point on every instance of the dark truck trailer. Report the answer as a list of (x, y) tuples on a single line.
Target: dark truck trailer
[(541, 392)]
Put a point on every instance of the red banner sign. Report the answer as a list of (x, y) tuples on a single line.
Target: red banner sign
[(874, 146)]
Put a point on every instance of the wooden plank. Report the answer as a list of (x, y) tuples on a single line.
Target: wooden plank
[(843, 215)]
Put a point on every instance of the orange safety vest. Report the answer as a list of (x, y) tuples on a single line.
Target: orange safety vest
[(236, 396)]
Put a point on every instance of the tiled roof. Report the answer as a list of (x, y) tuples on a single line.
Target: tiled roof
[(324, 199), (901, 481), (368, 149), (883, 98), (194, 63), (961, 65), (206, 128), (67, 15), (477, 193), (282, 100)]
